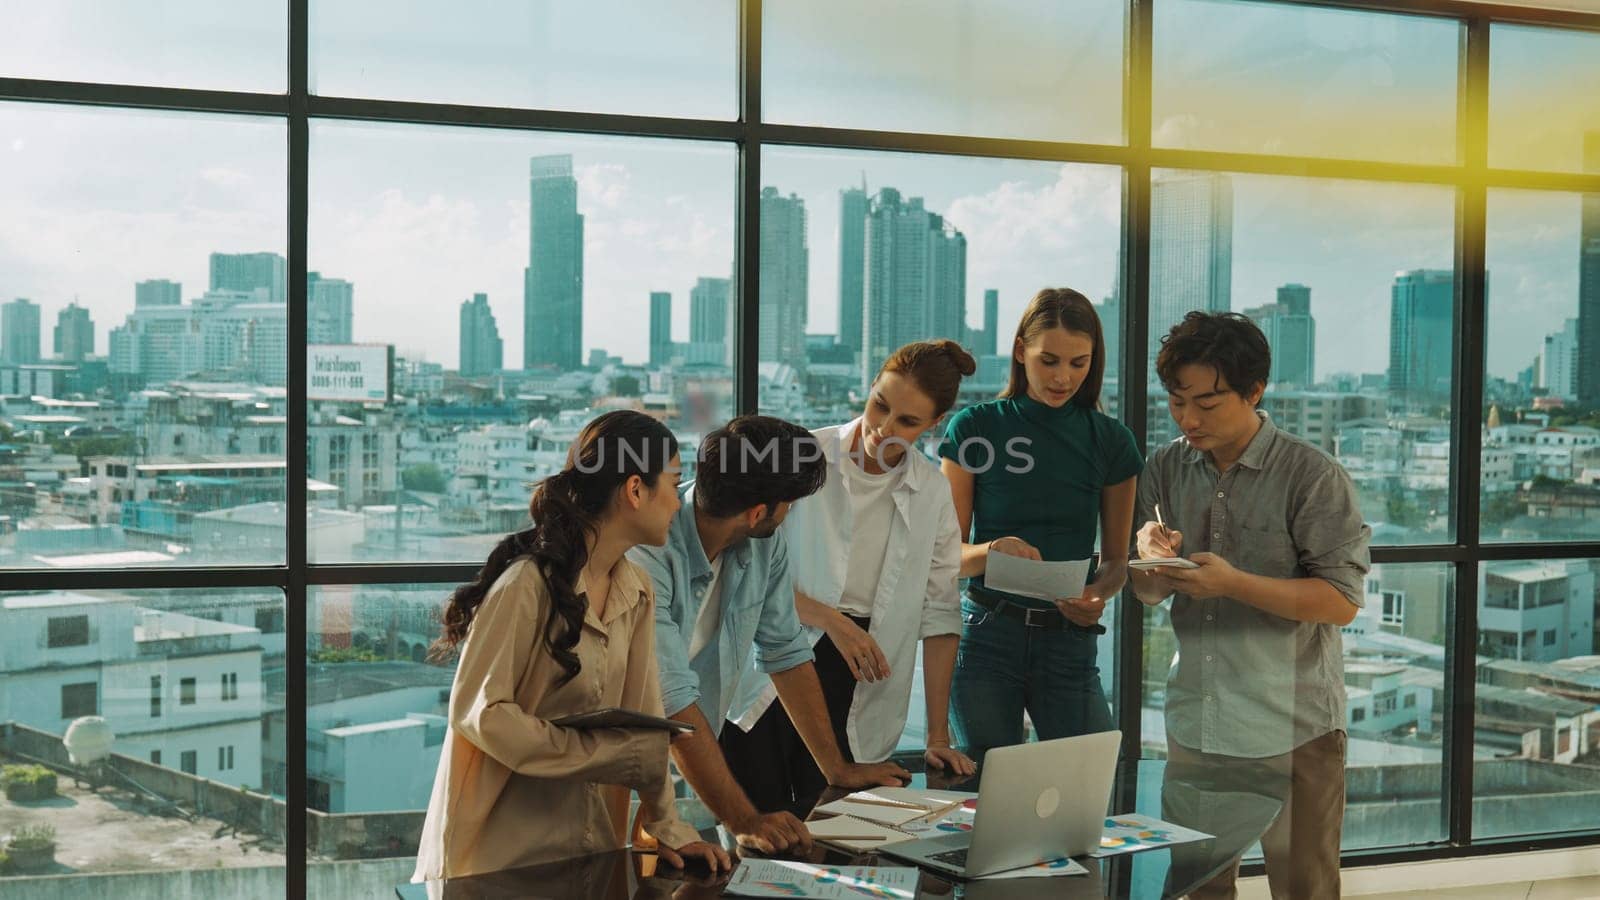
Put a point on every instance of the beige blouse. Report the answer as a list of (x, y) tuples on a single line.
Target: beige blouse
[(512, 789)]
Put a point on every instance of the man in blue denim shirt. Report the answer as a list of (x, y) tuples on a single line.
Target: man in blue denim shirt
[(725, 603)]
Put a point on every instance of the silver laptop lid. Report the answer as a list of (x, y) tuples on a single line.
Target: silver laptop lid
[(1042, 800)]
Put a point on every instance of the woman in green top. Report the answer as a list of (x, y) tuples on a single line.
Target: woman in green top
[(1033, 474)]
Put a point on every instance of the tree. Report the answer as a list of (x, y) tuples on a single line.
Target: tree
[(425, 477)]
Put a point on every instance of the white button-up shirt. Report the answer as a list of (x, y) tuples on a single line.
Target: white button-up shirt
[(917, 596)]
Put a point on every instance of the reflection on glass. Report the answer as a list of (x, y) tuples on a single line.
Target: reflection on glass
[(143, 339), (1353, 285), (1288, 78), (1542, 443), (1536, 731), (178, 43), (864, 252), (952, 67), (606, 56), (1394, 670), (1544, 99), (480, 296), (136, 704)]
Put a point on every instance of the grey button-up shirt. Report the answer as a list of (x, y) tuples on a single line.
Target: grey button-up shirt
[(1246, 682)]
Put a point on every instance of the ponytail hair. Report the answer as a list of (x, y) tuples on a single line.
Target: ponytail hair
[(937, 367), (567, 510)]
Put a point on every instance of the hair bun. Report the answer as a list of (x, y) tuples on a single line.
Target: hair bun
[(959, 356)]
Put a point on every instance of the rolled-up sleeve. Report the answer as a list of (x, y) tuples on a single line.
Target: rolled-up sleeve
[(1330, 536), (941, 606), (680, 686), (780, 641)]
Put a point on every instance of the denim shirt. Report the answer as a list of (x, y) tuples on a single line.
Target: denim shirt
[(760, 628)]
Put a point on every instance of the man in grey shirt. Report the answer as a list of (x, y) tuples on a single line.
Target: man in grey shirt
[(1281, 564)]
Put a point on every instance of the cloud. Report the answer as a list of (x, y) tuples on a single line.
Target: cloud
[(603, 185)]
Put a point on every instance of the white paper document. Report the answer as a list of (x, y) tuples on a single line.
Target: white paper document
[(1041, 579), (898, 807), (1132, 833), (1173, 562), (854, 833), (788, 878)]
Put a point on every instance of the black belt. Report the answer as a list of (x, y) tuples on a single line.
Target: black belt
[(1032, 616)]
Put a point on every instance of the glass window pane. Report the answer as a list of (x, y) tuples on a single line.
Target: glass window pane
[(1544, 99), (1285, 78), (1353, 284), (1017, 69), (1395, 715), (517, 285), (171, 43), (608, 56), (1542, 447), (1537, 728), (958, 246), (143, 342), (212, 756)]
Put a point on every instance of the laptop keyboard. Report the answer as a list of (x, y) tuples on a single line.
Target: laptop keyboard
[(955, 858)]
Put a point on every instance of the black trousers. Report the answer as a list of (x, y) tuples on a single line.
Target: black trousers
[(771, 762)]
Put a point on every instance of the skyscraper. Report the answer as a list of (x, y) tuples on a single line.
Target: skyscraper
[(250, 272), (1421, 307), (991, 324), (330, 309), (1191, 250), (1558, 364), (1292, 334), (157, 292), (785, 259), (660, 328), (19, 332), (481, 348), (853, 207), (1589, 282), (1110, 313), (916, 277), (74, 334), (708, 321), (552, 299)]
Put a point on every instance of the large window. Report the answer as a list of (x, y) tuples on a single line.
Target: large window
[(282, 351)]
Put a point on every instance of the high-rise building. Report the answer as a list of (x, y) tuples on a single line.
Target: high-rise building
[(660, 328), (552, 298), (1191, 265), (249, 273), (785, 259), (330, 309), (1295, 299), (1191, 250), (709, 320), (853, 208), (1558, 364), (1589, 282), (1291, 332), (19, 332), (157, 292), (1110, 313), (916, 277), (481, 347), (1421, 338), (991, 324), (74, 334), (231, 335)]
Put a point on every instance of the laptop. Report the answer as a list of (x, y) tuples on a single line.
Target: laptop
[(1036, 802)]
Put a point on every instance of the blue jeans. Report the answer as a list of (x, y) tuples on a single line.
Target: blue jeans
[(1004, 667)]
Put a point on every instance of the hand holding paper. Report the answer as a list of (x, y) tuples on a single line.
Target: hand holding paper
[(1041, 579)]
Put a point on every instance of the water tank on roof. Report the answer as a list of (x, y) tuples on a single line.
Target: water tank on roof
[(88, 740)]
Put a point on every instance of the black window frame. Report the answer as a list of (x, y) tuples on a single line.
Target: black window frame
[(1471, 176)]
